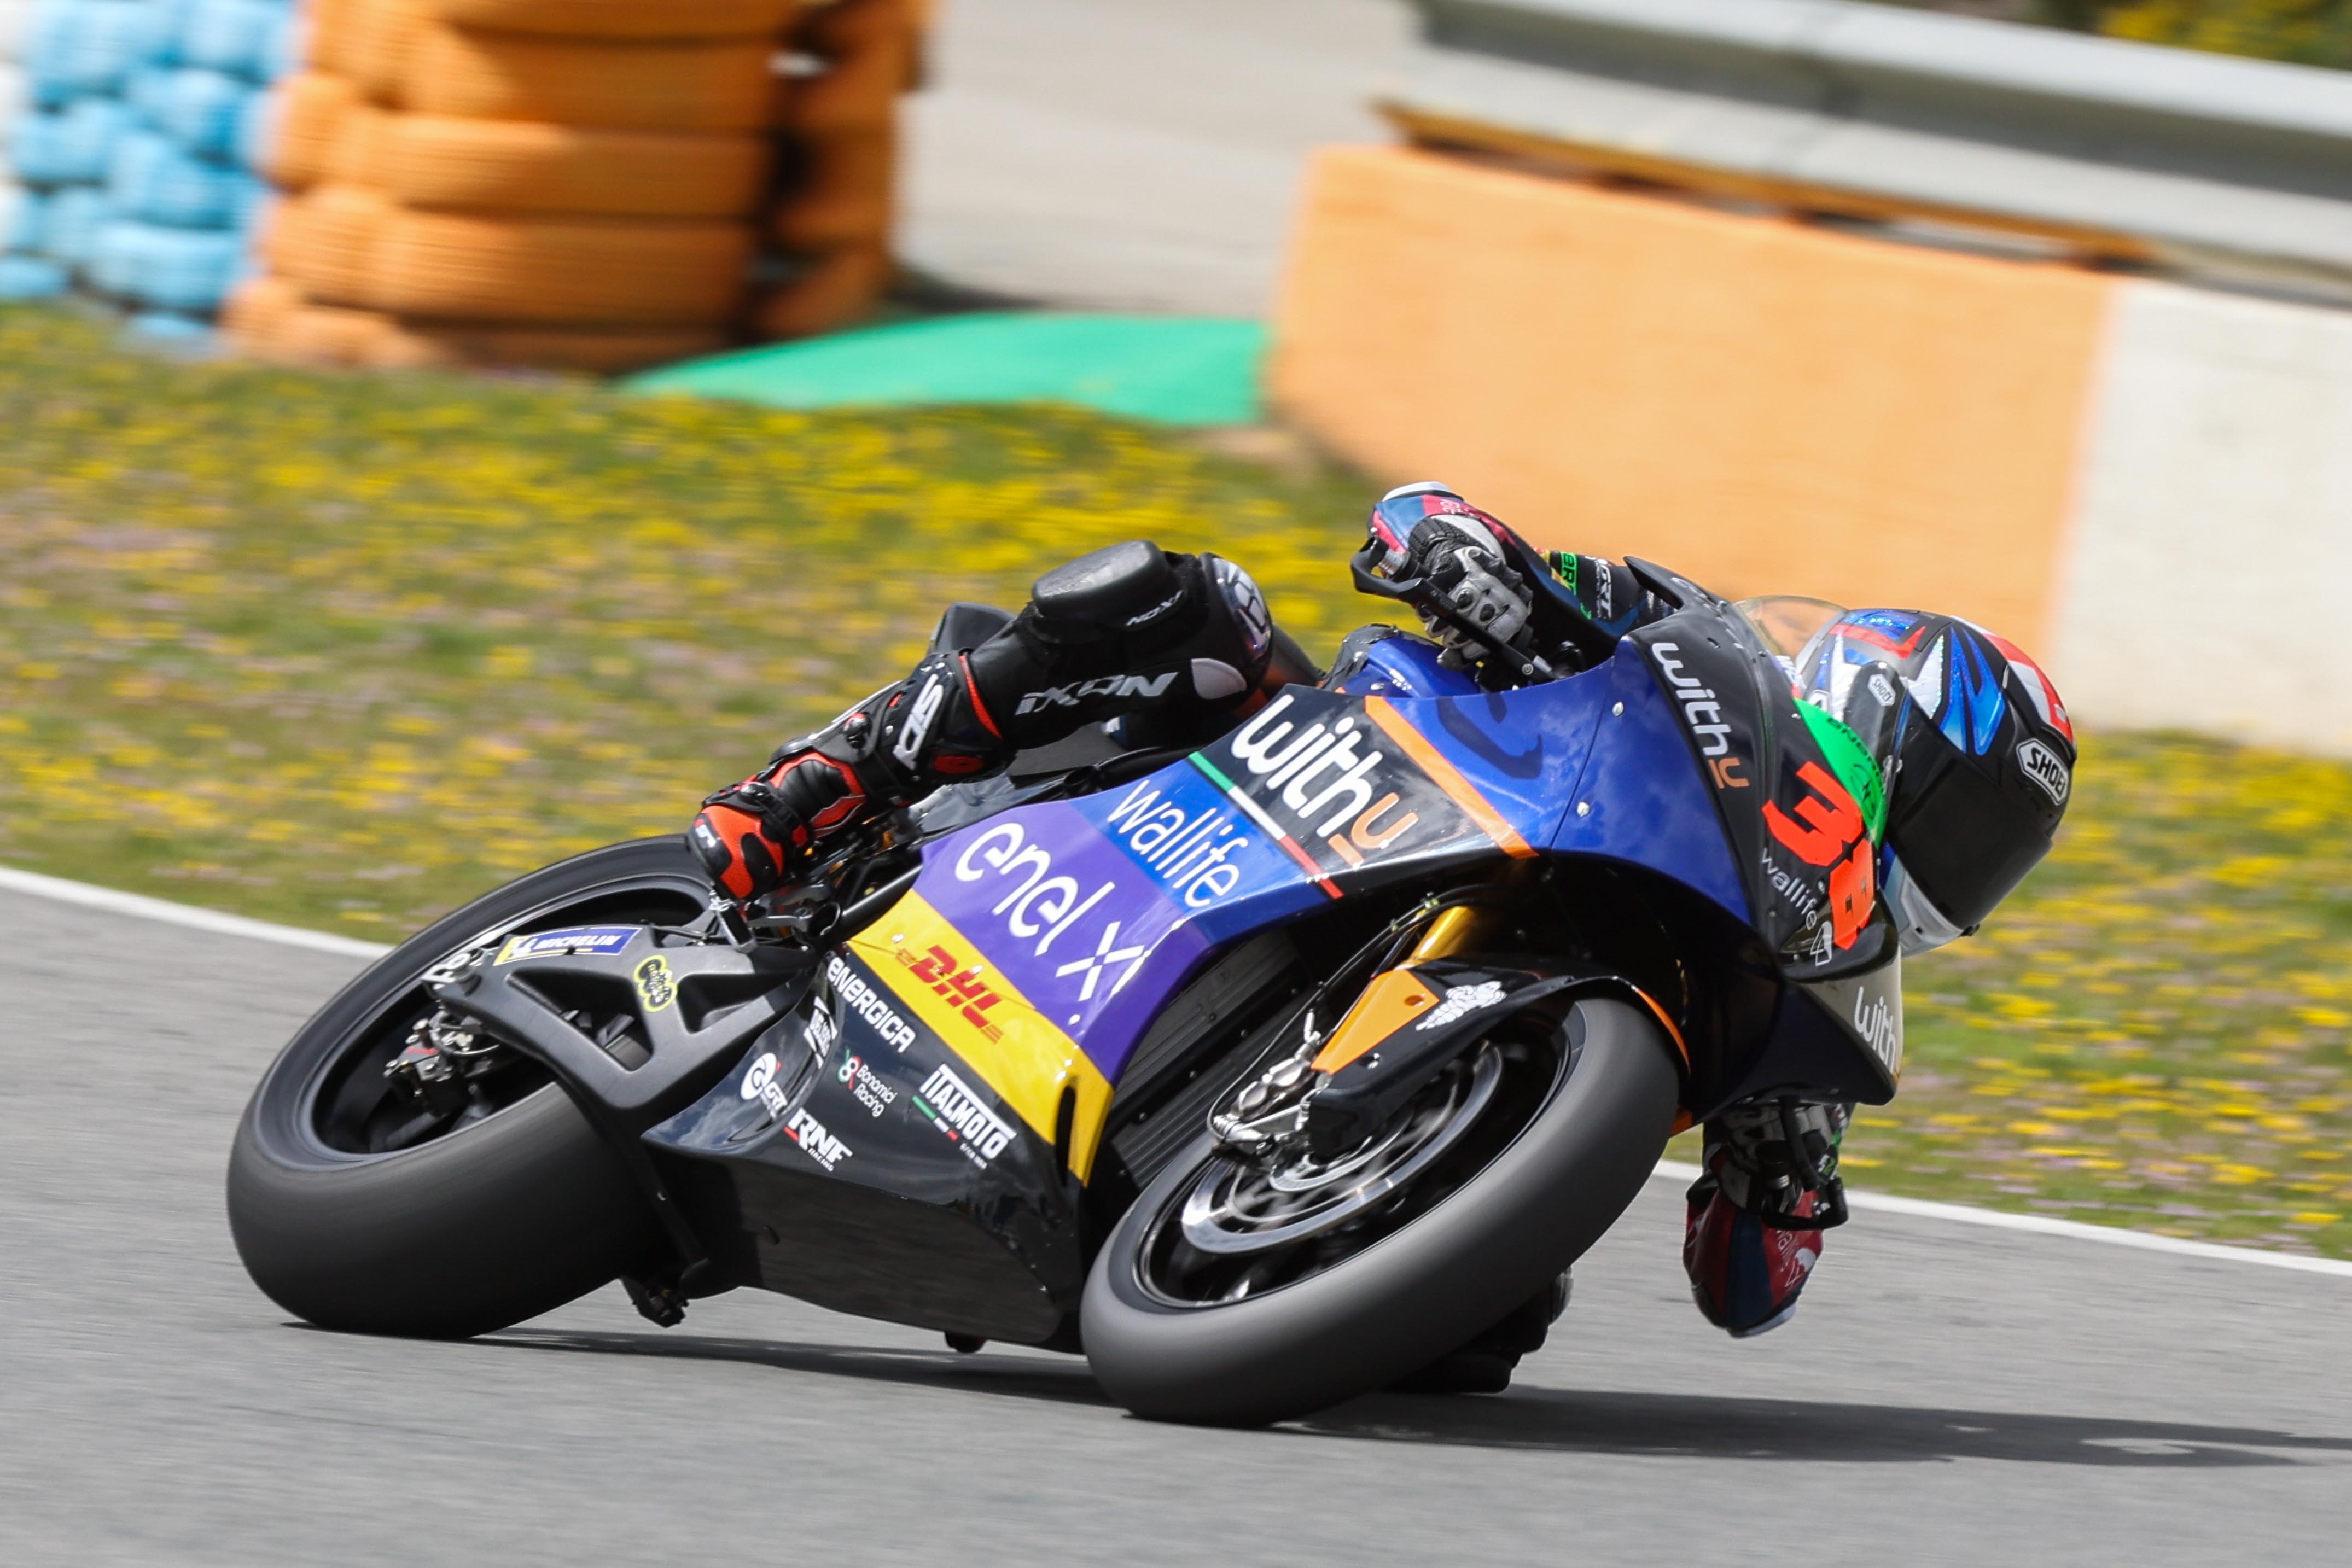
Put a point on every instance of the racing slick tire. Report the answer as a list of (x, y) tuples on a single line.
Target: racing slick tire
[(488, 1223), (1509, 1227)]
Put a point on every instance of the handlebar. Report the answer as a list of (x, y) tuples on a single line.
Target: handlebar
[(1417, 592)]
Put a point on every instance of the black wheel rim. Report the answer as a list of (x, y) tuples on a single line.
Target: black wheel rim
[(1225, 1233), (350, 1110)]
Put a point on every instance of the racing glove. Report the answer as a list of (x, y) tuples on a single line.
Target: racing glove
[(1474, 567)]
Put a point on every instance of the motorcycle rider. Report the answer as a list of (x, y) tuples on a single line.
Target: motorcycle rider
[(1176, 648)]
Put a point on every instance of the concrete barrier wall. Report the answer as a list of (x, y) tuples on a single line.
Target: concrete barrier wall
[(2149, 485), (2208, 577), (1765, 405)]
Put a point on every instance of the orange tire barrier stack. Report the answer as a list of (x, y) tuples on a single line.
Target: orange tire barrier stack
[(833, 226), (578, 184)]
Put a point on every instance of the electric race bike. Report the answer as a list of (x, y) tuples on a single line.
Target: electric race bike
[(1261, 1073)]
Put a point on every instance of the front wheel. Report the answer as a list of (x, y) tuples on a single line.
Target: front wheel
[(356, 1208), (1240, 1294)]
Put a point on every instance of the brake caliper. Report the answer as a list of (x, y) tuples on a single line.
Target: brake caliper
[(442, 1050), (1270, 1111)]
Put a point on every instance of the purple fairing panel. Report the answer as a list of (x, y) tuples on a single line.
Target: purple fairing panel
[(1097, 909), (1086, 934)]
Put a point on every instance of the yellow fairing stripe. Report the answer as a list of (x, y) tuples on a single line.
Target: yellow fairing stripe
[(986, 1021)]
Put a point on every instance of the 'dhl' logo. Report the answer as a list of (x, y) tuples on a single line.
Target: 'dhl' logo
[(960, 983)]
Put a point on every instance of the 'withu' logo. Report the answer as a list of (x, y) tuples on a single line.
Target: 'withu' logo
[(1317, 770), (1703, 713)]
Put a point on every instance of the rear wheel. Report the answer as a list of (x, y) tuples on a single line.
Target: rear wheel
[(358, 1206), (1240, 1294)]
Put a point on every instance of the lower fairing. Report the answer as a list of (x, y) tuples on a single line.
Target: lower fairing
[(857, 1163)]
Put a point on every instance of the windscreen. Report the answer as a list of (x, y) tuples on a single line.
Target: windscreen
[(1787, 622)]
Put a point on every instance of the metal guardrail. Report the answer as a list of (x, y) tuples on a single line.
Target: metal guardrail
[(2192, 160)]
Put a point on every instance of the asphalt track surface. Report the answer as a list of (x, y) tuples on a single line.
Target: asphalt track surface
[(1948, 1395)]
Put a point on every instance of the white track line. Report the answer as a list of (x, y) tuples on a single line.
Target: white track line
[(2042, 1225), (195, 919), (170, 914)]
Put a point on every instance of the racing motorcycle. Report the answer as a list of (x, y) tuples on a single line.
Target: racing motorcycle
[(1262, 1072)]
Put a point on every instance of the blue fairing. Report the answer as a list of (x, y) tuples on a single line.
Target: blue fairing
[(1403, 666), (1607, 738), (1650, 803)]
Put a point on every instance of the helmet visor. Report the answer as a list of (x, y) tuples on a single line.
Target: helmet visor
[(1965, 842)]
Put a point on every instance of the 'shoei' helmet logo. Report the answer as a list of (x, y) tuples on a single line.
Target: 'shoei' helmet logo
[(2046, 768)]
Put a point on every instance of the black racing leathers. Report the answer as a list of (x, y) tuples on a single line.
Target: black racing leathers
[(1166, 644)]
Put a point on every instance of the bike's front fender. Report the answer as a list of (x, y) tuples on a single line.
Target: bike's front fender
[(1412, 1020)]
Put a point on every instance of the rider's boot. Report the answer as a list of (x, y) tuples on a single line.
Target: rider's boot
[(1169, 644), (1753, 1232)]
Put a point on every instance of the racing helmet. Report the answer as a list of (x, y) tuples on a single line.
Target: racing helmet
[(1978, 750)]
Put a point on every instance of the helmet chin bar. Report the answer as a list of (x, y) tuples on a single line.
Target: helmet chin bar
[(1922, 927)]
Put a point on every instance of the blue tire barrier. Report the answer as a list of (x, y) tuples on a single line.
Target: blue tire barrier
[(256, 129), (151, 181), (287, 47), (30, 277), (166, 269), (242, 38), (23, 219), (76, 215), (69, 146), (35, 147), (16, 97), (250, 197), (130, 171), (200, 110), (146, 91), (170, 325), (93, 46)]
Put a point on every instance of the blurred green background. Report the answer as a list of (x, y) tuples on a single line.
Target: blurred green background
[(2306, 32)]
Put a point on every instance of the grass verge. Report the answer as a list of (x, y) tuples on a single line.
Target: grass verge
[(342, 651)]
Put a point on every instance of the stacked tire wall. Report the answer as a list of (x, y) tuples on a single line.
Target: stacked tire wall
[(123, 148), (18, 274), (575, 184)]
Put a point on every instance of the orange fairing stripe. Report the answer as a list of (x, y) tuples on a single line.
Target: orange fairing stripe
[(1448, 777), (1672, 1033)]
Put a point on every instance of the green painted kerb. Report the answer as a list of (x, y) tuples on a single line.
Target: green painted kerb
[(1172, 370)]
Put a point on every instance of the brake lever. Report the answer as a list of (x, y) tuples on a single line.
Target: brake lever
[(1360, 566)]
